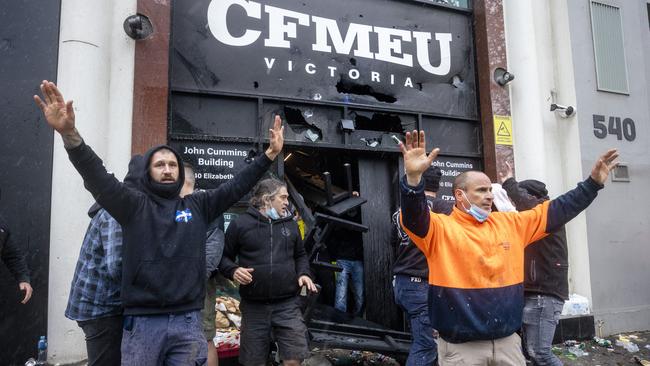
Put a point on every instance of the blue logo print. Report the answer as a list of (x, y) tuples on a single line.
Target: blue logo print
[(184, 216)]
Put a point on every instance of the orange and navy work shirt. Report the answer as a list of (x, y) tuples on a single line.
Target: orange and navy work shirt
[(476, 270)]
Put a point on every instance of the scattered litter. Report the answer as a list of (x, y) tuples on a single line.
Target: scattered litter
[(577, 351), (624, 341), (576, 305), (641, 361), (603, 342), (647, 346)]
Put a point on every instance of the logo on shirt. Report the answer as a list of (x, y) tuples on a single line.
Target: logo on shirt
[(184, 216), (285, 232), (506, 245)]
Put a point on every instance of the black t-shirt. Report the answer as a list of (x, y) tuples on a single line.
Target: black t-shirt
[(410, 261)]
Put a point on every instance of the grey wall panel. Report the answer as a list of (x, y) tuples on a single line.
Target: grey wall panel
[(617, 221)]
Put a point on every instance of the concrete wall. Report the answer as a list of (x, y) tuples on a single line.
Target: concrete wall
[(617, 222), (96, 71)]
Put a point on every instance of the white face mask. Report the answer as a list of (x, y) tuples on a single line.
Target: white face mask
[(478, 213), (272, 213)]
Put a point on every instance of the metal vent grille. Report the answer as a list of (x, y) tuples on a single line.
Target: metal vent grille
[(607, 29), (621, 173)]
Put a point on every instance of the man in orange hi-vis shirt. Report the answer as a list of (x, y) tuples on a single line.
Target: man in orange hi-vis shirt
[(476, 258)]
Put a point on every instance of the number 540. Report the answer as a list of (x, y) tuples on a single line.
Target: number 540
[(625, 129)]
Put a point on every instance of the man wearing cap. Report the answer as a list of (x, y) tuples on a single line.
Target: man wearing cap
[(546, 267), (410, 274)]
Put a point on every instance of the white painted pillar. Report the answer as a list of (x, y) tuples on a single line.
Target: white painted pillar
[(95, 70), (547, 147)]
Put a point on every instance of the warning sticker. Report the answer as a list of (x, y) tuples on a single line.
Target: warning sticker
[(503, 130)]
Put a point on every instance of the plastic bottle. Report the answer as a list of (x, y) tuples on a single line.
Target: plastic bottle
[(42, 351)]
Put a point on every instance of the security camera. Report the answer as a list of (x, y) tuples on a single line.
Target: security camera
[(563, 111), (138, 26), (502, 76)]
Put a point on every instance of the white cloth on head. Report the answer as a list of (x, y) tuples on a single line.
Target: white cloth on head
[(501, 199)]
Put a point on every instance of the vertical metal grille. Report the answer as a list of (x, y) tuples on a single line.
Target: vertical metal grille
[(611, 69)]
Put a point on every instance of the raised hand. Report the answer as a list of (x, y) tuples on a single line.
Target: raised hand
[(604, 165), (58, 113), (416, 160), (504, 176), (276, 138)]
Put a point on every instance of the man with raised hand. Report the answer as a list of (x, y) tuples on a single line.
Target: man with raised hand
[(476, 257), (546, 267), (163, 254)]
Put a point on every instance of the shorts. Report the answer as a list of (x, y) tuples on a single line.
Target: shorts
[(263, 323)]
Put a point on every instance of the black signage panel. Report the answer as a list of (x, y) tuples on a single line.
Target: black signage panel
[(214, 163), (405, 55), (452, 167)]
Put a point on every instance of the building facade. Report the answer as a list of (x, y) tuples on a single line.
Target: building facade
[(211, 90)]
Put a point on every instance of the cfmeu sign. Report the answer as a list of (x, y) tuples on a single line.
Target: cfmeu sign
[(285, 25)]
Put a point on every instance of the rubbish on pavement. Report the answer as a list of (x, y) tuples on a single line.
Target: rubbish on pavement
[(603, 342), (576, 305), (641, 361), (624, 341)]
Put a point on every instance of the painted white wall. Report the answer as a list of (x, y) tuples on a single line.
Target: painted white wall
[(546, 147), (95, 70)]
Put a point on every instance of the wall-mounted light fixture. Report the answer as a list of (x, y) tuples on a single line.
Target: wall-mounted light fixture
[(138, 26), (502, 76)]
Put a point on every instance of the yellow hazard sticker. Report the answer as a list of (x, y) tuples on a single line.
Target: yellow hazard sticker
[(503, 130)]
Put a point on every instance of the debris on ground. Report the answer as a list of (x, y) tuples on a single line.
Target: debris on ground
[(341, 357), (616, 350), (641, 362), (625, 342)]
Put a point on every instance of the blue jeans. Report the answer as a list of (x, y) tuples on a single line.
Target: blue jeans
[(541, 315), (411, 295), (166, 339), (352, 274)]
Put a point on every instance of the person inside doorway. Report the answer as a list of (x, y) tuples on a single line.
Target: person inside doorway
[(265, 255)]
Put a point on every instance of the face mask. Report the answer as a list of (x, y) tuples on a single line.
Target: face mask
[(478, 213), (272, 213)]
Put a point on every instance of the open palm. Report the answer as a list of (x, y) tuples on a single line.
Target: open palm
[(416, 160), (58, 113), (604, 165)]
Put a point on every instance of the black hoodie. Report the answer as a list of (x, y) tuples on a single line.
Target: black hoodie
[(546, 261), (163, 258), (273, 248)]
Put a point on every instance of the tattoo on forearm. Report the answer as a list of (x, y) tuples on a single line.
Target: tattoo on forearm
[(72, 139)]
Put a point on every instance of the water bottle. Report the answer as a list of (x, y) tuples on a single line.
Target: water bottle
[(42, 351)]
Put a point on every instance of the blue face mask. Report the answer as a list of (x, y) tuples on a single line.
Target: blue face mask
[(272, 213), (477, 213)]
